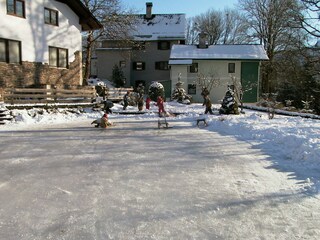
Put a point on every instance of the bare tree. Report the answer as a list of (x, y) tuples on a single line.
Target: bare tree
[(211, 23), (309, 21), (117, 23), (191, 33), (221, 27), (234, 28), (210, 80), (269, 21)]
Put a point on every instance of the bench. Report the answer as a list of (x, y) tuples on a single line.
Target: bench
[(163, 122), (199, 120)]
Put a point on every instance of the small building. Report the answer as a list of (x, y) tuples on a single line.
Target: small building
[(218, 65), (146, 60), (41, 42)]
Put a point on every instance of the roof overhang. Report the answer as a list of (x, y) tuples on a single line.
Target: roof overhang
[(171, 37), (180, 62), (86, 19)]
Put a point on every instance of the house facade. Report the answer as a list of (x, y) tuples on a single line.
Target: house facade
[(155, 34), (217, 66), (40, 42)]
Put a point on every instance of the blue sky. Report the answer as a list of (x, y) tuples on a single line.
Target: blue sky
[(189, 7)]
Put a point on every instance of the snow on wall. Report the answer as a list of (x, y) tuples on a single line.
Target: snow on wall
[(36, 36)]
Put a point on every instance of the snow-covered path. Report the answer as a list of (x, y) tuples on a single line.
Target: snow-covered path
[(134, 181)]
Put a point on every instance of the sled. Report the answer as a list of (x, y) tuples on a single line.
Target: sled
[(202, 120), (163, 122)]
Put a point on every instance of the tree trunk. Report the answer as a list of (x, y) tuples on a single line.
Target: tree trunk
[(88, 57)]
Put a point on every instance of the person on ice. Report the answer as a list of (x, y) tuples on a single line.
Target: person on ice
[(160, 105), (208, 104), (148, 100), (102, 122), (126, 100), (107, 105)]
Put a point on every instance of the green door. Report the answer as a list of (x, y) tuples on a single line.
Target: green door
[(250, 81)]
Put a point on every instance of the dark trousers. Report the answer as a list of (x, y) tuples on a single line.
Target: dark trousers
[(208, 110)]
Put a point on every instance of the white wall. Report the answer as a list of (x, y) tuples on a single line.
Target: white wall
[(210, 69), (35, 35)]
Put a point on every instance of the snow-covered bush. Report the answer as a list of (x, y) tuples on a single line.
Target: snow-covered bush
[(156, 89)]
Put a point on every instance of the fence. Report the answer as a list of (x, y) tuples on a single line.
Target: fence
[(47, 96), (116, 94)]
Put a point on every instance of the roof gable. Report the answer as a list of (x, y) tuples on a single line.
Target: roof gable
[(86, 18), (219, 52)]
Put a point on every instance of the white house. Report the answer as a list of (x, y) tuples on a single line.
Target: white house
[(40, 42), (223, 65)]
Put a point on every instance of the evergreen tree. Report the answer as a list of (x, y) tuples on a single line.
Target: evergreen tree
[(180, 95), (229, 104), (117, 76)]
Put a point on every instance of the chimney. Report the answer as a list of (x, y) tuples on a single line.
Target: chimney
[(202, 40), (148, 10)]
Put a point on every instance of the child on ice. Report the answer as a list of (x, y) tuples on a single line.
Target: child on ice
[(102, 122)]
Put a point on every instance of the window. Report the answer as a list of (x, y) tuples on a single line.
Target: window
[(139, 66), (16, 7), (51, 16), (164, 45), (231, 68), (193, 68), (10, 51), (192, 88), (122, 64), (163, 65), (58, 57)]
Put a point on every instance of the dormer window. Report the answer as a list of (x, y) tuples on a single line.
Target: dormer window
[(51, 16), (16, 8)]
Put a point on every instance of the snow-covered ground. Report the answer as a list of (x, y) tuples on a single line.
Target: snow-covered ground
[(242, 177)]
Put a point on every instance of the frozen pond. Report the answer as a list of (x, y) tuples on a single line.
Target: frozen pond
[(134, 181)]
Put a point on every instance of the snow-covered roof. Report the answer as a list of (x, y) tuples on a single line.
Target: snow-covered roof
[(219, 52), (160, 27)]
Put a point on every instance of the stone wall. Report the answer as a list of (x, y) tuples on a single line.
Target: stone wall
[(38, 75)]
